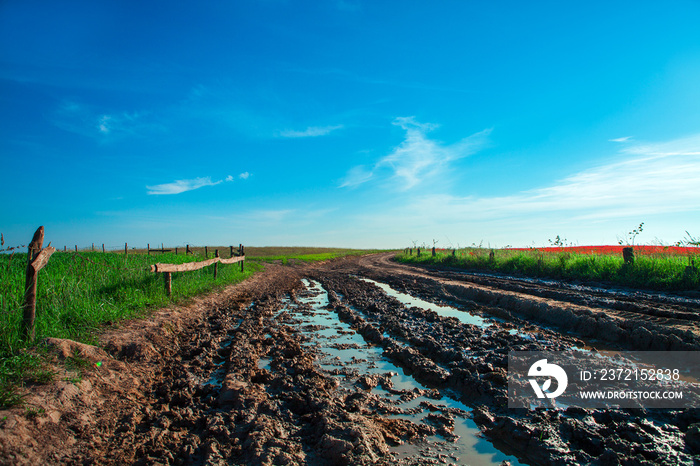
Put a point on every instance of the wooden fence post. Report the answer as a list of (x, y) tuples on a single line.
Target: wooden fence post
[(628, 255), (242, 254), (103, 247), (167, 276), (230, 248), (93, 247), (36, 260), (206, 253), (187, 251), (176, 250), (216, 264), (125, 249), (76, 248), (148, 248)]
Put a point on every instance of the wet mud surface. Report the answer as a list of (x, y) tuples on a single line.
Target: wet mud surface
[(355, 361)]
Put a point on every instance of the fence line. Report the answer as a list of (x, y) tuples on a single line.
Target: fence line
[(168, 269)]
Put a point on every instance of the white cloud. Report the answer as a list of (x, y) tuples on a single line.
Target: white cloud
[(418, 157), (356, 176), (312, 131), (685, 146), (104, 124), (242, 176), (656, 179), (623, 139), (181, 186)]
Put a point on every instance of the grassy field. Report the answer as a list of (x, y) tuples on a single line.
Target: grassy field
[(658, 271), (78, 294), (304, 254)]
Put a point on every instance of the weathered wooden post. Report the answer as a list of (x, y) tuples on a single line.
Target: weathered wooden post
[(433, 251), (126, 251), (628, 255), (206, 253), (65, 248), (418, 252), (187, 250), (76, 248), (216, 264), (103, 248), (167, 276), (242, 254), (176, 250), (36, 260), (230, 248), (148, 249)]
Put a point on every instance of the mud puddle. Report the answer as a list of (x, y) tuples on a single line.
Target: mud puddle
[(446, 311), (360, 366), (602, 349), (607, 352)]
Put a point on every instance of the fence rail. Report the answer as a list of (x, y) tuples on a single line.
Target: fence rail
[(191, 266), (168, 269)]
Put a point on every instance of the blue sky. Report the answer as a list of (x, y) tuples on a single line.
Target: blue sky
[(349, 123)]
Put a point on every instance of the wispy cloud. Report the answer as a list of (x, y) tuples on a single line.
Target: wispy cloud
[(652, 179), (241, 176), (623, 139), (310, 132), (418, 157), (356, 176), (684, 146), (86, 120), (181, 186)]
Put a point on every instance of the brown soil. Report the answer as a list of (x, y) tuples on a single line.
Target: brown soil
[(186, 385)]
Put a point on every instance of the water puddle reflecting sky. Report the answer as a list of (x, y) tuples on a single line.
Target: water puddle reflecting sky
[(345, 354)]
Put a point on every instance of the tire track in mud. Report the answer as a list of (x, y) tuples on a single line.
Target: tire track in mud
[(548, 305)]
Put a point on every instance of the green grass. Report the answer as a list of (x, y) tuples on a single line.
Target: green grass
[(304, 254), (78, 294), (658, 272)]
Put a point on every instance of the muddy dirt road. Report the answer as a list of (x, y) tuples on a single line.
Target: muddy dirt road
[(355, 361)]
